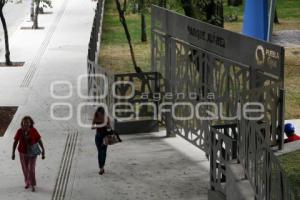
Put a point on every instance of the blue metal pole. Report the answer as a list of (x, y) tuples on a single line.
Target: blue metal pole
[(256, 19)]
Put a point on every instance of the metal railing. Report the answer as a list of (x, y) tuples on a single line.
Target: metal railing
[(95, 81), (255, 152), (262, 167), (202, 59), (185, 63), (223, 149), (141, 92), (95, 38), (103, 81)]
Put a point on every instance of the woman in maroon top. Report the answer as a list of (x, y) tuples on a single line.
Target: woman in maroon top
[(101, 122), (26, 136)]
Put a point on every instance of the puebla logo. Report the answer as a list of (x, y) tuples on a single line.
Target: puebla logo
[(260, 55)]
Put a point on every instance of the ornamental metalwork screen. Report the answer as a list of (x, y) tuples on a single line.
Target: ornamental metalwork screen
[(205, 65)]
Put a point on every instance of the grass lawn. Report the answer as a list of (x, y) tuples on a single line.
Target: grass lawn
[(115, 54), (290, 163), (286, 9)]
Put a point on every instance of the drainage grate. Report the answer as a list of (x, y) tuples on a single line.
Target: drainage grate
[(65, 168)]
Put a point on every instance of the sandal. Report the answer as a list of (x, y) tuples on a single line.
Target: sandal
[(101, 172)]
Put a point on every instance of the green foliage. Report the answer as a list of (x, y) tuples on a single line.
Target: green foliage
[(113, 32), (286, 9), (290, 164), (171, 4), (200, 8), (204, 10), (114, 40), (210, 11)]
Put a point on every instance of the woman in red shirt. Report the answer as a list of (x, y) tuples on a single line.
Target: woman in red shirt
[(26, 137)]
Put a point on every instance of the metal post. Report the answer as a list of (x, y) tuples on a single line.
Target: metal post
[(168, 80), (32, 10), (272, 6), (281, 119), (153, 61), (282, 103)]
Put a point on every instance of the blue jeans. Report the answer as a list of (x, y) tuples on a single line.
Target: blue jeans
[(101, 149)]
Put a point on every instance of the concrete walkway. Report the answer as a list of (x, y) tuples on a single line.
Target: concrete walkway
[(145, 166)]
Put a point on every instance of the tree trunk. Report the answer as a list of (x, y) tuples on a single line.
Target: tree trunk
[(219, 14), (210, 10), (125, 5), (187, 7), (276, 20), (143, 28), (215, 13), (143, 21), (7, 53), (36, 15), (124, 23)]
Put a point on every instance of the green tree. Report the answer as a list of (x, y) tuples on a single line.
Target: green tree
[(163, 3), (210, 11), (188, 8), (124, 23), (276, 19)]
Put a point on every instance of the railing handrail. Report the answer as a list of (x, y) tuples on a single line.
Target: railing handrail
[(259, 161), (96, 32)]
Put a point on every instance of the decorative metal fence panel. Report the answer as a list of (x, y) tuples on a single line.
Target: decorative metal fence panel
[(261, 166), (138, 92), (223, 149), (271, 97), (262, 56), (204, 59), (100, 81), (217, 67), (226, 69)]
